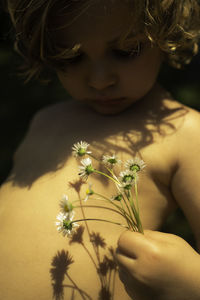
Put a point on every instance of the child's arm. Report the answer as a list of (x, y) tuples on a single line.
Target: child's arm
[(185, 184), (162, 265), (158, 266)]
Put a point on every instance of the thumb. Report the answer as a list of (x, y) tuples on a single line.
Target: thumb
[(132, 243)]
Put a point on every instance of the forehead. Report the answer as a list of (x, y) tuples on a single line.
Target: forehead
[(96, 20)]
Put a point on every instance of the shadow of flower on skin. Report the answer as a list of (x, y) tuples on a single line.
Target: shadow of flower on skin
[(77, 236), (105, 266), (76, 185), (60, 265), (105, 294), (97, 240)]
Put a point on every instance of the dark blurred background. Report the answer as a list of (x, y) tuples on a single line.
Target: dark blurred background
[(19, 102)]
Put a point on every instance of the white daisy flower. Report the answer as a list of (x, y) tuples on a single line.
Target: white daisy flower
[(89, 192), (65, 205), (86, 169), (135, 164), (127, 179), (110, 160), (80, 149), (65, 225)]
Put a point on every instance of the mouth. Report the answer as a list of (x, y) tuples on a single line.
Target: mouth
[(107, 101), (108, 106)]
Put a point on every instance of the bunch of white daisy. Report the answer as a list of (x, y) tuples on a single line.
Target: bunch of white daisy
[(124, 203), (65, 223)]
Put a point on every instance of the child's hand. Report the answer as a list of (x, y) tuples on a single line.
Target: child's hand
[(158, 266)]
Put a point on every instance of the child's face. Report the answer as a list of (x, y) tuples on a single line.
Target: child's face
[(102, 75)]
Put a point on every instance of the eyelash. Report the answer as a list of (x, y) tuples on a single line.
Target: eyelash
[(130, 54), (75, 59), (118, 53)]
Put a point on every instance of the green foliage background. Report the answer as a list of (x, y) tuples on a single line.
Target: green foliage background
[(19, 102)]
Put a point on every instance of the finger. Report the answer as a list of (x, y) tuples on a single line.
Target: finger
[(131, 243), (125, 262)]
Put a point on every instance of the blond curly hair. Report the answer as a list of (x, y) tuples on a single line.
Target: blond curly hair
[(172, 25)]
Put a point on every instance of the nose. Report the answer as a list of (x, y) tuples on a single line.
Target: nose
[(101, 76)]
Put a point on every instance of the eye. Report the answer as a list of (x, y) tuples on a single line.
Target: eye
[(127, 54), (74, 60), (64, 63)]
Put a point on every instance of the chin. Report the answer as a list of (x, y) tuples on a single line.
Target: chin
[(110, 110)]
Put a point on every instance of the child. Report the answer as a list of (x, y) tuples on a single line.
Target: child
[(107, 55)]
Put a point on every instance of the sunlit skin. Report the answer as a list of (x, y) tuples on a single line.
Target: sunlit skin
[(102, 75), (131, 116)]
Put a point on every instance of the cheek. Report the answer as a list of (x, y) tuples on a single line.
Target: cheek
[(64, 80), (142, 74), (71, 83)]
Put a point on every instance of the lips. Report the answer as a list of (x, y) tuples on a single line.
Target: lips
[(105, 100), (108, 106)]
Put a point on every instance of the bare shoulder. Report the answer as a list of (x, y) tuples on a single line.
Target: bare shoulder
[(47, 122), (46, 145), (188, 128), (184, 120), (50, 115), (191, 121)]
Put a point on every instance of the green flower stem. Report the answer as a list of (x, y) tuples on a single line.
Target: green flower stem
[(103, 207), (130, 220), (106, 175), (135, 214), (130, 197), (120, 212), (139, 224), (124, 213), (129, 211), (83, 213), (137, 205), (136, 194), (132, 211), (111, 172), (102, 196), (138, 221), (101, 220)]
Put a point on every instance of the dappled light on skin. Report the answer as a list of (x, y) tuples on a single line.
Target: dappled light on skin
[(137, 130)]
